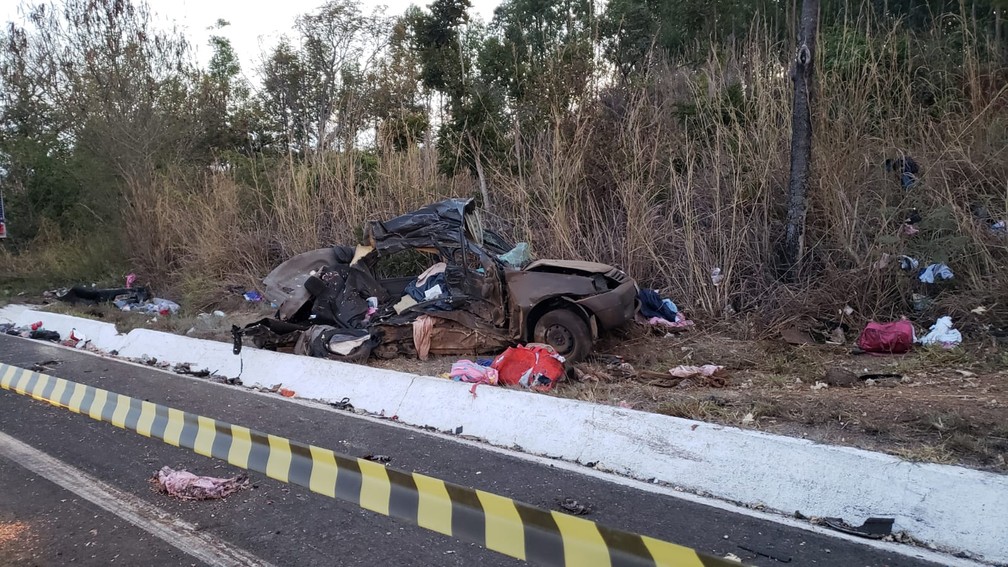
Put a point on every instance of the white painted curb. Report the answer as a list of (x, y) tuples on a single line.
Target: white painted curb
[(954, 508)]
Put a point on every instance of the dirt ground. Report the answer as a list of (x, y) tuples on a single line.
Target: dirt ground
[(945, 406), (940, 405)]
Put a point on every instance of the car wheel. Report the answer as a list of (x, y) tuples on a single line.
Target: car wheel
[(565, 331)]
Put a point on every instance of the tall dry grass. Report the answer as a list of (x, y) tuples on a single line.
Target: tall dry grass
[(669, 179)]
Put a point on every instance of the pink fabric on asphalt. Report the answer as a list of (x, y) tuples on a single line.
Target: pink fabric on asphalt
[(187, 486)]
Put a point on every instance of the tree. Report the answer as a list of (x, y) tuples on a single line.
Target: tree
[(448, 45), (396, 104), (93, 95), (540, 54), (315, 91), (286, 119), (338, 43), (224, 97), (630, 29), (801, 137)]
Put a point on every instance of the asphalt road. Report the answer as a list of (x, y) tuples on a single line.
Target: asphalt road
[(288, 525)]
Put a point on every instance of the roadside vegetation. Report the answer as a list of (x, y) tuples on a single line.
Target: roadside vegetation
[(655, 143)]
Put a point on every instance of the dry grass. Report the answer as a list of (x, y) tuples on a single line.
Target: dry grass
[(668, 178)]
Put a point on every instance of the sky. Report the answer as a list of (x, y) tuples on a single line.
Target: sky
[(255, 26)]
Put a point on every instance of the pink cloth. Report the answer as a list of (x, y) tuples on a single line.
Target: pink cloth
[(468, 371), (691, 371), (422, 327), (187, 486), (680, 322)]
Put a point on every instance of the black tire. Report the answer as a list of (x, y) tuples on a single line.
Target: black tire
[(565, 331)]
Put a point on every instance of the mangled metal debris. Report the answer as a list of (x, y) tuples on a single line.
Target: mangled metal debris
[(436, 281)]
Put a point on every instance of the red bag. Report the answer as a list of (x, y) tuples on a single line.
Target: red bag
[(534, 366), (888, 338)]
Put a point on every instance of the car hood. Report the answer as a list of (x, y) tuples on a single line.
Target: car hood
[(576, 267)]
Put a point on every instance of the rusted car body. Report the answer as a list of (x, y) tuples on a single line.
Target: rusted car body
[(480, 304)]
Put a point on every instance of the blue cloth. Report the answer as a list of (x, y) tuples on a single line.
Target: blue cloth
[(417, 291), (936, 272), (653, 305)]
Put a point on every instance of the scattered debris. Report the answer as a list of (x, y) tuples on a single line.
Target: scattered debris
[(767, 555), (384, 459), (883, 376), (186, 486), (287, 393), (716, 276), (626, 369), (887, 338), (343, 404), (252, 296), (883, 262), (534, 366), (76, 340), (694, 376), (874, 528), (186, 368), (905, 168), (936, 272), (44, 366), (469, 371), (942, 333), (44, 335), (661, 311), (572, 506), (128, 298), (837, 337), (685, 371)]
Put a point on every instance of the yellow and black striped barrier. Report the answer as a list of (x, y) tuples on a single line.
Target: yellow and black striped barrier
[(498, 523)]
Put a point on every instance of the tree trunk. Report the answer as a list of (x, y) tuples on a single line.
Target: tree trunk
[(479, 172), (801, 138)]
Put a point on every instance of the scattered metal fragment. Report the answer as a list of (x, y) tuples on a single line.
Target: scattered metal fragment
[(767, 555), (572, 506), (186, 369), (343, 404), (880, 376), (44, 365), (874, 528)]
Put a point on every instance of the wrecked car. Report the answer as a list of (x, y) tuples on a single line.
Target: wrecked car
[(436, 281)]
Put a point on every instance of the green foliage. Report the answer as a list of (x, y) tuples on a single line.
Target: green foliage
[(397, 99), (646, 113), (631, 29), (315, 96)]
